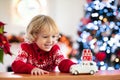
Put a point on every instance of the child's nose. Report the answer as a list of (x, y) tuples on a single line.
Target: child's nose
[(50, 39)]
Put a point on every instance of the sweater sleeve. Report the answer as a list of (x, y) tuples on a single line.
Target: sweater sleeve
[(20, 64), (21, 67), (65, 65)]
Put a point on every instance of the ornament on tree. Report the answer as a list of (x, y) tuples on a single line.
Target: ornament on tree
[(4, 44), (100, 56)]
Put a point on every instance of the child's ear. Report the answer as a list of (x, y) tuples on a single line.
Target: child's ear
[(35, 35)]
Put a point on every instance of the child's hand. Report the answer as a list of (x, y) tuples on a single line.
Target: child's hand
[(37, 71)]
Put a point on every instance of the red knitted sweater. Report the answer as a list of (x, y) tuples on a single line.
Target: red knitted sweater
[(30, 56)]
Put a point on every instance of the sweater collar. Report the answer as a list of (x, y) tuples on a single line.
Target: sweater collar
[(37, 49)]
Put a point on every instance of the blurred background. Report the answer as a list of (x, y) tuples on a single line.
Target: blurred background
[(83, 24)]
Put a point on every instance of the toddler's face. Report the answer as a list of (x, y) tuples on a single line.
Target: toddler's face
[(46, 41)]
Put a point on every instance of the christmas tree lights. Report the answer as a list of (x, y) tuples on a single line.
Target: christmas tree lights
[(99, 31)]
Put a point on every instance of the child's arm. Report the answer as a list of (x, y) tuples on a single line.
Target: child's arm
[(21, 67), (65, 65), (20, 64)]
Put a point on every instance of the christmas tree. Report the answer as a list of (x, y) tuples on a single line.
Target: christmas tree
[(99, 31)]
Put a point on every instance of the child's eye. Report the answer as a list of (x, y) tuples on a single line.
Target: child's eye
[(45, 36), (53, 36), (56, 36)]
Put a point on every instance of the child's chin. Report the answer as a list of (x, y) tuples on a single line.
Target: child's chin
[(47, 50)]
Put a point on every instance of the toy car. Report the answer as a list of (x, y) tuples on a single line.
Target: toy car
[(84, 67)]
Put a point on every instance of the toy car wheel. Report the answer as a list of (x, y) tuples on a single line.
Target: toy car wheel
[(75, 72), (92, 72)]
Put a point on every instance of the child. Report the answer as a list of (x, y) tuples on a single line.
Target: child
[(41, 54)]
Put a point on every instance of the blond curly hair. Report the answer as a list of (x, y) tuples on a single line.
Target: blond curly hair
[(39, 24)]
